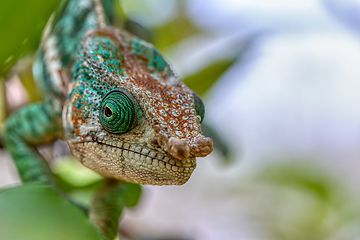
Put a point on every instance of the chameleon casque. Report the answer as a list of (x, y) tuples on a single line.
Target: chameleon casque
[(115, 100)]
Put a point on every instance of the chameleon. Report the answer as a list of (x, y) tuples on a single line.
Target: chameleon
[(115, 100)]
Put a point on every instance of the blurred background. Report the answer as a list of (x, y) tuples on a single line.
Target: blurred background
[(281, 83)]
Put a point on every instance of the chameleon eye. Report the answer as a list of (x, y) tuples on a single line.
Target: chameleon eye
[(199, 106), (108, 112), (117, 112)]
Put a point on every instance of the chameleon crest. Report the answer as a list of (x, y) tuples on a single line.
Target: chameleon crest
[(128, 116)]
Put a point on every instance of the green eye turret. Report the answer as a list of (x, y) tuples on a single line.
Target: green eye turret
[(117, 112), (199, 106)]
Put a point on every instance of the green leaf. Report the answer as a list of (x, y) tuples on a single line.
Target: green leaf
[(202, 80), (36, 212), (179, 28), (132, 194), (21, 25)]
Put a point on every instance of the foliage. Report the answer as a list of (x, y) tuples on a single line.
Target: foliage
[(39, 213), (80, 182), (21, 25)]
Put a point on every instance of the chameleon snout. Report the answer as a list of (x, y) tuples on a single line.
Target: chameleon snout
[(178, 148), (201, 146)]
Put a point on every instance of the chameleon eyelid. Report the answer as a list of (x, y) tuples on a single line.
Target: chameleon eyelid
[(128, 115)]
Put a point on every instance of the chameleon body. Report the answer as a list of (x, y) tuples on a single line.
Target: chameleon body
[(115, 100)]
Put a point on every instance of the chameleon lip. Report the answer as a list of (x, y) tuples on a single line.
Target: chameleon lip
[(152, 157)]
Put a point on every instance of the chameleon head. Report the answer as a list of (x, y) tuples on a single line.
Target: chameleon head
[(127, 115)]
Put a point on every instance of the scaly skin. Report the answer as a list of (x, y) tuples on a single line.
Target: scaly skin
[(117, 103), (162, 146)]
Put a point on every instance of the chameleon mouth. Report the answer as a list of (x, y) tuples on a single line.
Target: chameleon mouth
[(135, 154)]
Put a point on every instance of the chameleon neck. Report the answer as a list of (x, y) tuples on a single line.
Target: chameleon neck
[(73, 19), (61, 41)]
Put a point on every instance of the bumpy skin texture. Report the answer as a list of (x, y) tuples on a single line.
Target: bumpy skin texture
[(166, 138), (117, 103)]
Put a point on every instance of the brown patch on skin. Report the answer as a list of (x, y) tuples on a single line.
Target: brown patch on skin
[(76, 121)]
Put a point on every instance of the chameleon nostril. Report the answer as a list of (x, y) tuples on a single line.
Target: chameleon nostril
[(201, 146), (178, 148)]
